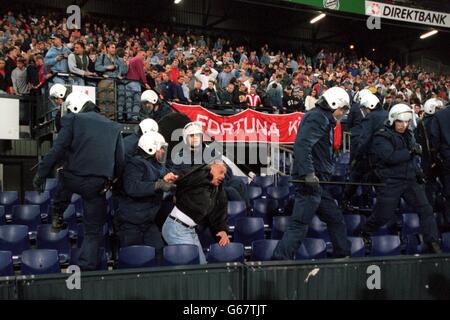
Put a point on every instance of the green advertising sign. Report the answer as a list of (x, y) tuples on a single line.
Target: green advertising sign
[(352, 6)]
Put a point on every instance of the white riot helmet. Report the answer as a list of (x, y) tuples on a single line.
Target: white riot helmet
[(360, 95), (76, 101), (401, 112), (192, 128), (148, 125), (151, 142), (58, 91), (370, 101), (336, 98), (149, 96), (432, 105)]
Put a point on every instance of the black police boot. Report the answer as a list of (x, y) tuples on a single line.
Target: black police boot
[(434, 247), (58, 223)]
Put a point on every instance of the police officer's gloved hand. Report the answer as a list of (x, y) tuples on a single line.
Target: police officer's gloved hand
[(416, 150), (38, 183), (164, 186), (312, 181)]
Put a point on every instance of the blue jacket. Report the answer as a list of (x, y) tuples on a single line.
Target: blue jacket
[(440, 135), (104, 61), (354, 119), (372, 123), (90, 144), (55, 65), (313, 145), (130, 143), (138, 202), (392, 154)]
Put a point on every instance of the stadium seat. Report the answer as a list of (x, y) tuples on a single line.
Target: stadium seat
[(78, 203), (206, 237), (265, 208), (410, 224), (254, 192), (262, 250), (180, 254), (312, 249), (50, 186), (39, 261), (40, 199), (103, 259), (386, 245), (353, 223), (136, 257), (14, 238), (28, 215), (70, 217), (59, 241), (236, 209), (357, 246), (232, 252), (248, 229), (283, 181), (8, 199), (6, 264), (318, 229), (263, 181), (279, 226), (2, 215), (280, 194), (446, 242)]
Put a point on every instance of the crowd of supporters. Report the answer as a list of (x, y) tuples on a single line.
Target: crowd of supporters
[(194, 68)]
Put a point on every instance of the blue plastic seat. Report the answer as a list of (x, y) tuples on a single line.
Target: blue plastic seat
[(232, 252), (265, 208), (387, 245), (6, 264), (59, 241), (39, 261), (28, 215), (280, 194), (318, 229), (353, 223), (40, 199), (70, 217), (248, 229), (103, 259), (263, 181), (8, 199), (236, 209), (279, 226), (262, 250), (77, 201), (136, 257), (312, 249), (14, 238), (410, 224), (357, 247), (180, 254), (50, 186), (206, 237), (254, 192)]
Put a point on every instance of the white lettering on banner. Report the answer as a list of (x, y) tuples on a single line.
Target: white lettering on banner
[(406, 14)]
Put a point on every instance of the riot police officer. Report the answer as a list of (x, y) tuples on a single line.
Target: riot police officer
[(354, 119), (395, 149), (58, 94), (312, 163), (92, 149), (152, 106), (130, 142)]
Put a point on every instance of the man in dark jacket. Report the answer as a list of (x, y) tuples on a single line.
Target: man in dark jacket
[(130, 142), (395, 150), (143, 183), (92, 149), (199, 200), (313, 162)]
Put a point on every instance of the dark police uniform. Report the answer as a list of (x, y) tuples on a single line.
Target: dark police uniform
[(92, 148), (313, 153), (355, 116), (396, 166)]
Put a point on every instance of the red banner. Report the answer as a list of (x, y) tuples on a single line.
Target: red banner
[(248, 125)]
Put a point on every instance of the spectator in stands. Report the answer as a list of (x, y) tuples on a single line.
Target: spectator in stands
[(210, 96), (19, 78), (136, 77), (228, 96), (288, 100), (252, 99), (174, 72), (3, 85), (196, 95), (205, 74), (78, 62), (178, 94), (310, 101), (56, 58), (166, 87), (299, 102), (225, 76), (275, 97), (10, 65), (35, 71)]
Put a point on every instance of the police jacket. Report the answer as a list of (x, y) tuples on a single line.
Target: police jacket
[(138, 202), (354, 119), (163, 110), (90, 144), (130, 143), (201, 201), (393, 159), (440, 135), (423, 135), (372, 123), (313, 145)]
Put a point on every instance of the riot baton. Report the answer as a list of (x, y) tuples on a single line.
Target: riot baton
[(341, 183)]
